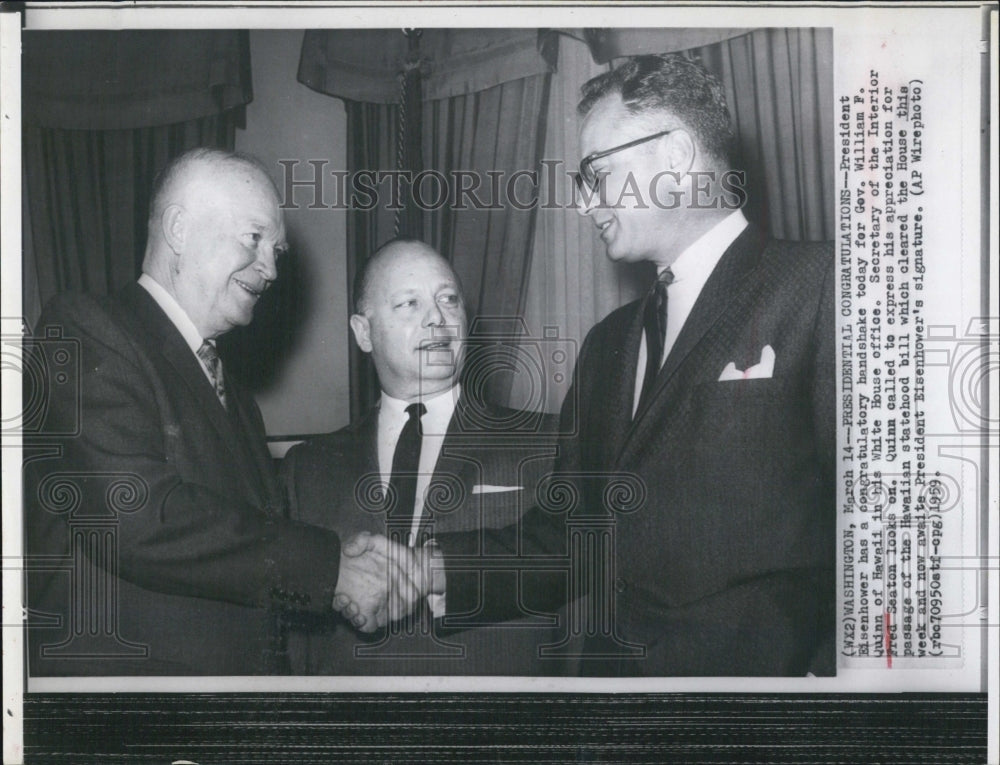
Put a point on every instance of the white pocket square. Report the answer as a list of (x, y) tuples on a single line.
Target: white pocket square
[(759, 371), (486, 488)]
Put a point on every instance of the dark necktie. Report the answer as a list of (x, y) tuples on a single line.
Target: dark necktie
[(654, 323), (210, 358), (403, 482)]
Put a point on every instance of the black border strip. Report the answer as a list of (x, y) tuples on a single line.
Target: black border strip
[(506, 728)]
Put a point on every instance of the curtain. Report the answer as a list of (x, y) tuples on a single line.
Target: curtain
[(610, 43), (498, 130), (779, 87), (102, 115), (371, 144), (364, 64), (571, 285), (88, 199), (104, 80), (495, 130), (483, 105)]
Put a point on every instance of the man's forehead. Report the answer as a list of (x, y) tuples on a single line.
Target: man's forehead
[(265, 218), (412, 268), (231, 179)]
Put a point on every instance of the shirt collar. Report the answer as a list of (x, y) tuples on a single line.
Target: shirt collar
[(699, 259), (440, 406), (177, 315)]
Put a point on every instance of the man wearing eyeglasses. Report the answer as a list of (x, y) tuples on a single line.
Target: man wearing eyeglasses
[(715, 392)]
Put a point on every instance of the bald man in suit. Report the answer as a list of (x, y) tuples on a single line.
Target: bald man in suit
[(478, 467)]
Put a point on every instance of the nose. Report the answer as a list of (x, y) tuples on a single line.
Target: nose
[(267, 263), (586, 199), (434, 316)]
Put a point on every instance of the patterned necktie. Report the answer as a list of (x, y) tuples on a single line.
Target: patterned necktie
[(209, 356), (654, 323), (403, 482)]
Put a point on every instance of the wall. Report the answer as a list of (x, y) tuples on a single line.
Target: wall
[(308, 390)]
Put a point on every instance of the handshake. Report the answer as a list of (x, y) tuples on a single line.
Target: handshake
[(381, 581)]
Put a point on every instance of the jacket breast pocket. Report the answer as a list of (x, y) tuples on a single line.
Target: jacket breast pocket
[(493, 510), (741, 413), (740, 391)]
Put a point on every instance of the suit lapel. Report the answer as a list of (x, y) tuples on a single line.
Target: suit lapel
[(169, 343), (367, 438), (449, 467), (255, 448), (731, 277), (619, 390)]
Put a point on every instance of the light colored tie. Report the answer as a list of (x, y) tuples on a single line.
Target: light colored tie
[(213, 364)]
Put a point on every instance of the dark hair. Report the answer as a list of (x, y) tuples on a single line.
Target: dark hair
[(166, 177), (363, 278), (671, 83)]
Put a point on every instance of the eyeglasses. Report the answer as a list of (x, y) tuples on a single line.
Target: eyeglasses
[(588, 179)]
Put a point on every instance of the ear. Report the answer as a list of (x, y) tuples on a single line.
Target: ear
[(362, 332), (174, 224), (680, 151)]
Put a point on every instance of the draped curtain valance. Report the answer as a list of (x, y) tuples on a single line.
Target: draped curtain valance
[(122, 80), (607, 43), (364, 64), (103, 111), (469, 100)]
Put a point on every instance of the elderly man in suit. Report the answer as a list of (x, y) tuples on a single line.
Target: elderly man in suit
[(448, 461), (156, 533), (715, 391)]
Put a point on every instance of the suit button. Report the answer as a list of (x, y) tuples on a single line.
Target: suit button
[(620, 585)]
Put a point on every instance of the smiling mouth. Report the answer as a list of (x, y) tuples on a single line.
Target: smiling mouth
[(255, 292), (435, 345)]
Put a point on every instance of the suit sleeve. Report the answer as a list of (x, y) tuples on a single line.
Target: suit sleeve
[(540, 533), (174, 535)]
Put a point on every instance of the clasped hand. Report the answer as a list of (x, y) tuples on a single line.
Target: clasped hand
[(380, 581)]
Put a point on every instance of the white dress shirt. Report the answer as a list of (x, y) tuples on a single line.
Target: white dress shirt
[(392, 417), (691, 270), (178, 317)]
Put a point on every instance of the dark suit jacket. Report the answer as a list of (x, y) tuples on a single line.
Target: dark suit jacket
[(728, 566), (328, 484), (191, 554)]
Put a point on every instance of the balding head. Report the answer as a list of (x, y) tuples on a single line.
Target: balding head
[(215, 232), (386, 255), (410, 315), (184, 172)]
